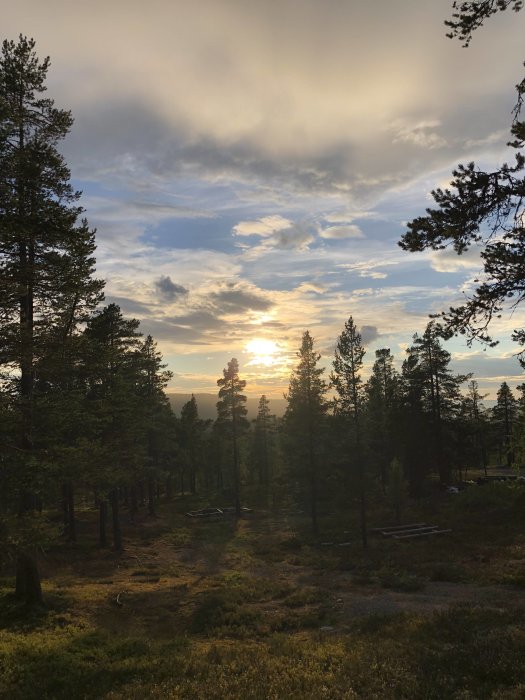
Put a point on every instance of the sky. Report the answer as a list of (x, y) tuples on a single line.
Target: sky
[(251, 165)]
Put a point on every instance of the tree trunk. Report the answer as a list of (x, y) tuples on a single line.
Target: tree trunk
[(71, 523), (103, 517), (28, 588), (236, 475), (65, 509), (362, 500), (151, 496), (193, 487), (134, 504), (115, 520), (313, 504), (169, 488)]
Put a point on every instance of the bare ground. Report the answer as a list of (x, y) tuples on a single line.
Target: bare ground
[(156, 582)]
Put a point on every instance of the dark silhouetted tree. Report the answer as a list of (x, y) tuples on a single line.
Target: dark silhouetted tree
[(231, 411), (45, 256), (304, 420), (432, 394), (475, 428), (192, 433), (484, 209), (119, 440), (382, 413), (350, 402), (504, 415), (263, 446)]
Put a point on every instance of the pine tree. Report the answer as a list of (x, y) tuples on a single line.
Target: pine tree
[(263, 446), (504, 414), (231, 411), (119, 439), (518, 433), (191, 429), (46, 258), (481, 208), (346, 379), (304, 419), (432, 386), (154, 410), (261, 451), (476, 424), (382, 409)]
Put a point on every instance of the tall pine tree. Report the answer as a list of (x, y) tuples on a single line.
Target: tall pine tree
[(231, 411), (46, 259), (346, 379), (304, 420)]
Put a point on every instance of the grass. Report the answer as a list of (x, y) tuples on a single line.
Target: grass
[(257, 609), (464, 652)]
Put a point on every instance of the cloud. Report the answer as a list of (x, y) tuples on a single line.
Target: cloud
[(500, 136), (263, 227), (195, 121), (314, 287), (234, 299), (420, 134), (169, 211), (168, 290), (368, 334), (368, 268), (252, 101), (198, 319), (128, 306), (295, 237), (449, 261), (347, 216), (341, 232)]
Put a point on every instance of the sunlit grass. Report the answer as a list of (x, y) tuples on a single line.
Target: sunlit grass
[(465, 652), (259, 609)]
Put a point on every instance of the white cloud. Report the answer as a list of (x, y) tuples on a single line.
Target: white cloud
[(420, 134), (341, 232), (449, 261), (263, 227), (188, 111), (496, 137), (347, 215), (294, 237)]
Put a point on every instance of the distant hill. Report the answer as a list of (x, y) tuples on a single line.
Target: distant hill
[(207, 404)]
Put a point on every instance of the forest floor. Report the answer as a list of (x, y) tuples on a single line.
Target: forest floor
[(259, 608)]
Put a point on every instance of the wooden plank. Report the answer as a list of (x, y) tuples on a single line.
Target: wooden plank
[(412, 530), (393, 528), (420, 534)]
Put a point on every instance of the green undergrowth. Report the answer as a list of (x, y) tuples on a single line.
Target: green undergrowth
[(466, 652), (262, 608)]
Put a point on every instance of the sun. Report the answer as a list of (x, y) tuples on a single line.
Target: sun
[(265, 352)]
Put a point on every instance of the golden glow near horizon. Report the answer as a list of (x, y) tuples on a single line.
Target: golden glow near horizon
[(263, 192), (265, 352)]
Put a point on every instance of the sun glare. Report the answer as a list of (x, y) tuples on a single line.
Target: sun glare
[(265, 352)]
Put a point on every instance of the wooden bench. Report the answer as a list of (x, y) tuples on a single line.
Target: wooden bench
[(395, 528), (420, 534), (401, 532)]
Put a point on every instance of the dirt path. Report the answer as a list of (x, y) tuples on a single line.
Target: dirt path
[(434, 596), (163, 578)]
